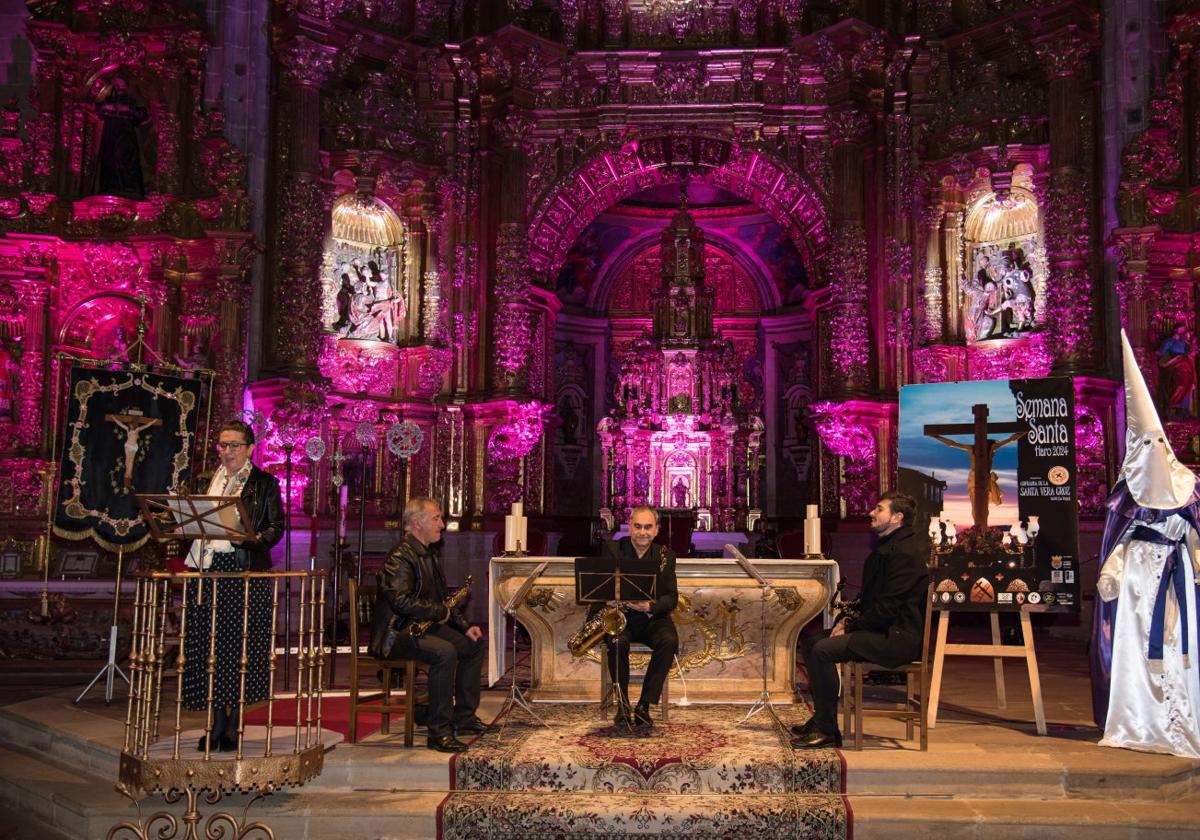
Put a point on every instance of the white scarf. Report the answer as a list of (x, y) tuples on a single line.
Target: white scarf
[(200, 555)]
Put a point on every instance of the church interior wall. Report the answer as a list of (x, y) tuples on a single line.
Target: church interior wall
[(850, 166)]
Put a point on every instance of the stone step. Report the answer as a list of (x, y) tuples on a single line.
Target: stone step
[(1044, 768), (919, 818), (75, 804)]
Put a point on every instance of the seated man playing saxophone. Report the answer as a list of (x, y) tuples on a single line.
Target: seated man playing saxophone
[(412, 590), (646, 622)]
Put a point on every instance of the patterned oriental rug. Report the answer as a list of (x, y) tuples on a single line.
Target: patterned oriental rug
[(699, 776)]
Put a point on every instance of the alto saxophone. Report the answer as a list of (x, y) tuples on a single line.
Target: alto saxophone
[(419, 627), (610, 621)]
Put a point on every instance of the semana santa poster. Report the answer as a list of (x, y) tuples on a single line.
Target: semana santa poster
[(1009, 539)]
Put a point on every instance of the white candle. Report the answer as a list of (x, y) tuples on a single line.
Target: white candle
[(518, 509), (812, 536), (510, 534), (811, 512), (523, 534)]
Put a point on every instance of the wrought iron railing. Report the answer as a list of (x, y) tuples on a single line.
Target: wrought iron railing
[(162, 756)]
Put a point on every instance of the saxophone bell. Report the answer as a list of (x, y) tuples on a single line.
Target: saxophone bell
[(610, 621)]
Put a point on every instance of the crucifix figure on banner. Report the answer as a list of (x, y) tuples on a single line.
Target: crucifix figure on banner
[(133, 425), (982, 450)]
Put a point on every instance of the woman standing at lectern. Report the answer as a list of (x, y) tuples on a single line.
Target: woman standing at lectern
[(259, 491)]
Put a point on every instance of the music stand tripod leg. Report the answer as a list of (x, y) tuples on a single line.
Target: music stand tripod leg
[(516, 697), (764, 699), (110, 667)]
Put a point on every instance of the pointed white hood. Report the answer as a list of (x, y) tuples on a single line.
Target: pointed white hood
[(1153, 474)]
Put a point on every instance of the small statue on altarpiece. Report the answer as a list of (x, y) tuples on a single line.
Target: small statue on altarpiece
[(679, 492), (1177, 363), (119, 162)]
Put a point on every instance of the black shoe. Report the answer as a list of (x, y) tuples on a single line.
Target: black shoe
[(817, 740), (624, 715), (446, 744), (214, 743), (641, 716), (475, 727), (805, 728), (227, 744)]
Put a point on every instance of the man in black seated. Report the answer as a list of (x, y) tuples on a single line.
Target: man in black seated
[(887, 628), (412, 589), (646, 622)]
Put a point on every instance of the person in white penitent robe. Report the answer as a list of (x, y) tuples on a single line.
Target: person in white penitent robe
[(1145, 673)]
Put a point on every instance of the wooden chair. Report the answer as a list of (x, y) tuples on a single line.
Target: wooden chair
[(914, 711), (361, 664), (608, 691)]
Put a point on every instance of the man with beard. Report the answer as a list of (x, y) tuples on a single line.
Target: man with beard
[(885, 630)]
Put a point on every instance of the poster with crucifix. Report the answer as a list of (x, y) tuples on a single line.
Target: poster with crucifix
[(992, 467), (127, 432)]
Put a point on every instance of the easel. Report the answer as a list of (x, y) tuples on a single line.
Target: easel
[(998, 652)]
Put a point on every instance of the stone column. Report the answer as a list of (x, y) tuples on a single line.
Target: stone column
[(849, 322), (1068, 213), (295, 311)]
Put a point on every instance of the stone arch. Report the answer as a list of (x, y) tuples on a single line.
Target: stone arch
[(612, 173)]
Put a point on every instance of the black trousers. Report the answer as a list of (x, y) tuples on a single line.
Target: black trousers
[(822, 653), (659, 633), (455, 665)]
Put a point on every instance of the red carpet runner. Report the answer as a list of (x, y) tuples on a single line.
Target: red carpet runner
[(335, 715), (700, 776)]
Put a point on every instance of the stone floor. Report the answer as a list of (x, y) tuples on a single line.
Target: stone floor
[(986, 773)]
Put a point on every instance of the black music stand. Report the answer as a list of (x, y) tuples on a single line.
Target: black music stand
[(763, 703), (597, 581), (516, 697)]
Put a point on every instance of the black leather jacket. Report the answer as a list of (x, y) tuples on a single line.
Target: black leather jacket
[(264, 505), (411, 588)]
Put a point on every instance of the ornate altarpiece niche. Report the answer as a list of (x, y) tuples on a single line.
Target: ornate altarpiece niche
[(1005, 284), (362, 272)]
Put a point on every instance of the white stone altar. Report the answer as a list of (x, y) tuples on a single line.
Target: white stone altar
[(718, 619)]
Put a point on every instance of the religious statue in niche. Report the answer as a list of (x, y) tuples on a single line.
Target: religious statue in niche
[(118, 344), (999, 293), (119, 160), (568, 412), (1177, 366), (368, 304), (194, 356), (641, 481), (679, 492)]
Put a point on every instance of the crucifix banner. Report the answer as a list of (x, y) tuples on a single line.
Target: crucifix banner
[(127, 432), (992, 467)]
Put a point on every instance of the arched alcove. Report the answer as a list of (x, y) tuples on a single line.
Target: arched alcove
[(364, 295), (1004, 287)]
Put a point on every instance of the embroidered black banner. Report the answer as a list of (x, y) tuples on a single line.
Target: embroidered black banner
[(127, 432)]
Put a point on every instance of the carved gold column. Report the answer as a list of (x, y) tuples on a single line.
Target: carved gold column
[(1068, 211), (512, 326), (933, 326), (1133, 247), (234, 252), (849, 322), (295, 311)]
